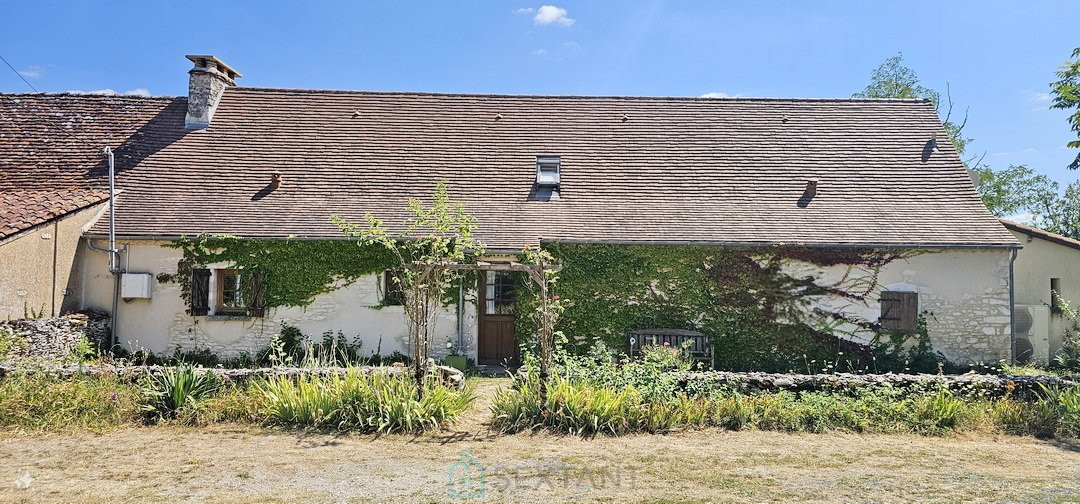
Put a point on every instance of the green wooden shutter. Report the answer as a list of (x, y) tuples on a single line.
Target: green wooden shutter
[(200, 291)]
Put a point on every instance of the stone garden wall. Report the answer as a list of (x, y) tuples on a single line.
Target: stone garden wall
[(53, 338), (963, 384)]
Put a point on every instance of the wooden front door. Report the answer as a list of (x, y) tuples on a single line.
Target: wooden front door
[(497, 344)]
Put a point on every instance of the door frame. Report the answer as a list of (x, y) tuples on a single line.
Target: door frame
[(482, 315)]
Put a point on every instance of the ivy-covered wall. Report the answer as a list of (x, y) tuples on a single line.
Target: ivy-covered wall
[(333, 290), (779, 308), (295, 270)]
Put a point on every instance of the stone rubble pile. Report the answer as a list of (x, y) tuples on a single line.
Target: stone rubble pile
[(54, 338)]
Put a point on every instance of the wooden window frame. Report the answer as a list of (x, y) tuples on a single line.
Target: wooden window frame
[(219, 290), (498, 301)]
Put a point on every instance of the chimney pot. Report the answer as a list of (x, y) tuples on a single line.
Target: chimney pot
[(206, 84)]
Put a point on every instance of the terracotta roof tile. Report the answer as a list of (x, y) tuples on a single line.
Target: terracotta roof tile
[(675, 170), (22, 209), (50, 151)]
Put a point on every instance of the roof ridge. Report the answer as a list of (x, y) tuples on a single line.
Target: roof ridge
[(63, 94), (575, 96)]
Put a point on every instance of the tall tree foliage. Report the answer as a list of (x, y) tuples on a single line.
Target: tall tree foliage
[(894, 80), (1019, 190), (1066, 93)]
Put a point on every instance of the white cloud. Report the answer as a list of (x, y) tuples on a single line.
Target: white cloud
[(1038, 97), (719, 94), (540, 52), (33, 72), (550, 14), (1022, 218), (524, 10), (110, 92)]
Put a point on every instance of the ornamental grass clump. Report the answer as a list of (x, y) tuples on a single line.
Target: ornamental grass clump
[(579, 407), (178, 391), (364, 402), (36, 402)]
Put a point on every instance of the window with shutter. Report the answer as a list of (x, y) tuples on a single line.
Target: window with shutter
[(899, 311), (200, 291)]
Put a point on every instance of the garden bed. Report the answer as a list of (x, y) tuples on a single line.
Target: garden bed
[(384, 400)]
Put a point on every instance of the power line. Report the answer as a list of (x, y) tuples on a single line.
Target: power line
[(19, 74)]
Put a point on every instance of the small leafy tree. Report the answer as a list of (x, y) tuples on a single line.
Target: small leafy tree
[(428, 246), (1019, 189), (1066, 92), (894, 80)]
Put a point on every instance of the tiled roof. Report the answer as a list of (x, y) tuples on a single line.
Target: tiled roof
[(50, 152), (22, 209), (1035, 232), (690, 170)]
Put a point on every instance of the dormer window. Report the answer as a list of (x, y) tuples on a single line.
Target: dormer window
[(547, 178)]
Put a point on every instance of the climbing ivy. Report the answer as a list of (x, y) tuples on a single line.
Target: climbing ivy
[(295, 270), (757, 314)]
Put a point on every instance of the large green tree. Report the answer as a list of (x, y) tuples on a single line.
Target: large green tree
[(1066, 93), (1019, 190), (894, 80)]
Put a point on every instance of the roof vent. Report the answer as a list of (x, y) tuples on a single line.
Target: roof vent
[(548, 170), (808, 193), (275, 180)]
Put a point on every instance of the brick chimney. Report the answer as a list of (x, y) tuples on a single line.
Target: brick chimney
[(206, 84)]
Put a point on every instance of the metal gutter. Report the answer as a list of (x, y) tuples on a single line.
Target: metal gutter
[(705, 243), (628, 242)]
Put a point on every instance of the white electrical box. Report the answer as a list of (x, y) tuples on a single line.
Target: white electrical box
[(135, 285)]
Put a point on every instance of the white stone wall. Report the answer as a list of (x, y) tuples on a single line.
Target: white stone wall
[(1038, 262), (966, 290), (160, 324)]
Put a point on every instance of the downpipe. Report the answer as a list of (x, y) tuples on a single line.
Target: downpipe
[(114, 254), (1012, 308)]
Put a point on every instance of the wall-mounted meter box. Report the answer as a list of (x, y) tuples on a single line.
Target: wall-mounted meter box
[(136, 285)]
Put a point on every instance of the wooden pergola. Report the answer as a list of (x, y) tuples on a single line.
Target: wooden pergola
[(538, 274)]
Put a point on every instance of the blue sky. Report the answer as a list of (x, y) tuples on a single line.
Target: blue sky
[(997, 57)]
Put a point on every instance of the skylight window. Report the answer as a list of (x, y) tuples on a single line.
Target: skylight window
[(547, 178), (547, 171)]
